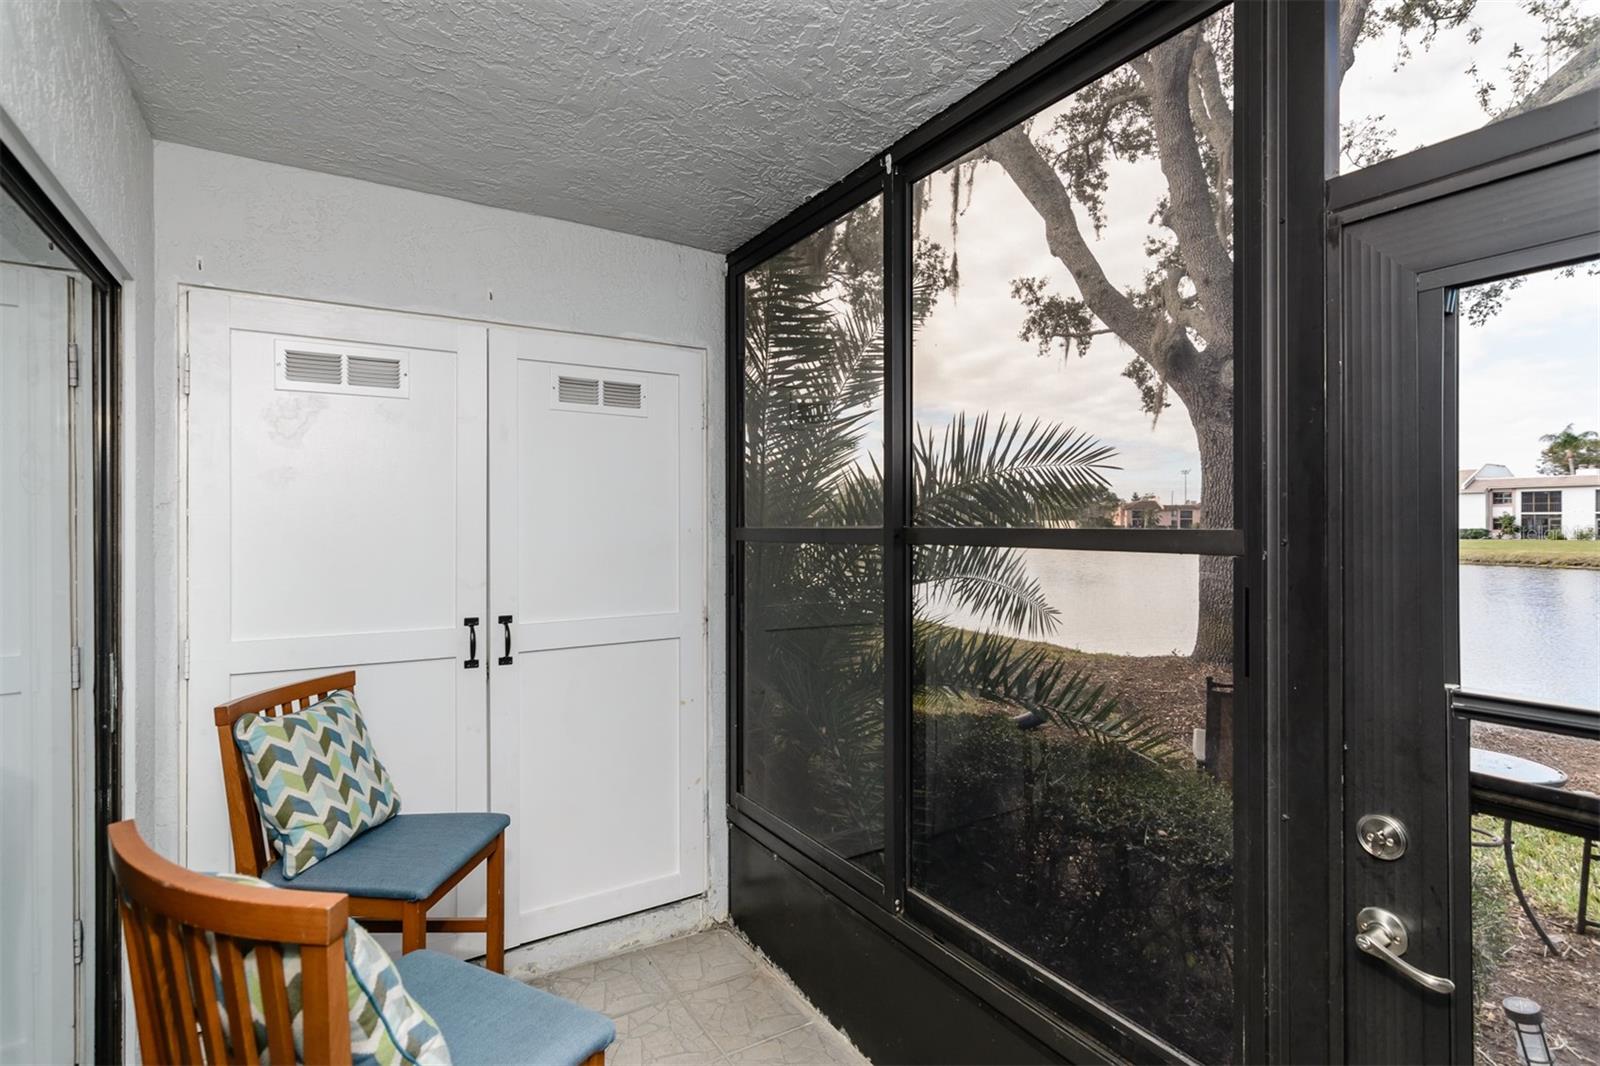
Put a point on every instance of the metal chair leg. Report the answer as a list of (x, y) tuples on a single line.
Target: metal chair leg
[(1591, 846), (1516, 887)]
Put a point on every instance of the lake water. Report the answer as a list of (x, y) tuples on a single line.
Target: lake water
[(1127, 603), (1525, 631), (1532, 632)]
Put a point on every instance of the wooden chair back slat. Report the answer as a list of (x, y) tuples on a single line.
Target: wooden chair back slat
[(139, 977), (175, 922), (275, 1003), (251, 850), (175, 960), (236, 993), (154, 949), (198, 952)]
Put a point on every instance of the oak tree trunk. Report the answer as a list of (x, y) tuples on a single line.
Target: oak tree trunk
[(1213, 426)]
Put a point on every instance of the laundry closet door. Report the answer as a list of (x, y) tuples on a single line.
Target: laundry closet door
[(337, 520), (597, 597)]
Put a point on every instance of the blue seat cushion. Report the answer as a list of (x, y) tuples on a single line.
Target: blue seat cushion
[(490, 1018), (407, 857)]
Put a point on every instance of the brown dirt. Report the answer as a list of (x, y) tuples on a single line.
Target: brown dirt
[(1167, 689), (1567, 988), (1578, 758)]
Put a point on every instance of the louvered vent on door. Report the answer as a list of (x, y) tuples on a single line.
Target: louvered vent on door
[(303, 368), (371, 372), (318, 368), (582, 391), (628, 394)]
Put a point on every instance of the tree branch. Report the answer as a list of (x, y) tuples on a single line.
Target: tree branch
[(1037, 180), (1190, 213), (1352, 20), (1214, 117)]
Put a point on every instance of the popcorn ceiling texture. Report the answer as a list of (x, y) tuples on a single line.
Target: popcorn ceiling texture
[(694, 121)]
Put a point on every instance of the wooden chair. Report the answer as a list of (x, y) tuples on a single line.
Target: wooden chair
[(168, 911), (391, 889), (177, 923)]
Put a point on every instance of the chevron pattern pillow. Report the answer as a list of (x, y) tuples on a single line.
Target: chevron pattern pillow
[(387, 1026), (316, 779)]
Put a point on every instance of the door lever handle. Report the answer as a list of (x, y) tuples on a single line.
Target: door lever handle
[(1382, 935), (505, 623), (472, 644)]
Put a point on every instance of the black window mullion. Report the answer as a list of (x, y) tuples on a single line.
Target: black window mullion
[(734, 443), (896, 517), (809, 534), (1151, 541)]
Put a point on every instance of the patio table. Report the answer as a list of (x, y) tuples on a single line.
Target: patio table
[(1516, 789)]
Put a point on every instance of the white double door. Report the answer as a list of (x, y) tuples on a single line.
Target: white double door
[(502, 531)]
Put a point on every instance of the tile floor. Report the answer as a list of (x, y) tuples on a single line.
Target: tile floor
[(706, 998)]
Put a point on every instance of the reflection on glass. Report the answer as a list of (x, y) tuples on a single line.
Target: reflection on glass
[(1073, 310), (813, 378), (1072, 773), (1529, 486), (1417, 73), (1534, 937), (814, 692)]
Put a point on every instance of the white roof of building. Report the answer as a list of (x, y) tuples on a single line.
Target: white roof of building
[(1560, 481)]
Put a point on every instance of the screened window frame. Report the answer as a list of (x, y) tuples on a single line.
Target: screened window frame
[(1538, 501), (1105, 40)]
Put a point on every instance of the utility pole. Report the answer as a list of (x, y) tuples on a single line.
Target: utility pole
[(1185, 474)]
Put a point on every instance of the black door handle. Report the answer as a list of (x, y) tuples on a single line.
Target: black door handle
[(472, 643), (505, 622)]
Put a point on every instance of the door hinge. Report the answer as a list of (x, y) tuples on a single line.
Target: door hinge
[(1450, 296), (72, 364), (76, 664), (77, 941), (187, 659), (183, 373)]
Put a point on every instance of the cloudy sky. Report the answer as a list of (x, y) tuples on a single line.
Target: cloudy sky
[(968, 357), (1528, 372)]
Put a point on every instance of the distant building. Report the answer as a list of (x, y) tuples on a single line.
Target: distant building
[(1538, 505), (1153, 514)]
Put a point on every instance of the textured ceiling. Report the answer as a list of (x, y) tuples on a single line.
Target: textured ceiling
[(696, 121)]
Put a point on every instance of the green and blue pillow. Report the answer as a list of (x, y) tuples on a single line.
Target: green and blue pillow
[(387, 1026), (316, 778)]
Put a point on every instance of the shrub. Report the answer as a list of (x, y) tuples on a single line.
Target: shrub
[(1109, 869), (1583, 533), (1492, 923), (1474, 534)]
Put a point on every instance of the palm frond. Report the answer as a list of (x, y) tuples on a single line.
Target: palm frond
[(998, 669), (993, 583), (1005, 473)]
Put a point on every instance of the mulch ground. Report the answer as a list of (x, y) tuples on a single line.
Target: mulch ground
[(1566, 987)]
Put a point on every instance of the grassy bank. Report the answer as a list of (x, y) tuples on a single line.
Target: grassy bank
[(1566, 553)]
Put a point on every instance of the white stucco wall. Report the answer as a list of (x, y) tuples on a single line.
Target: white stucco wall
[(1578, 509), (237, 223), (68, 112), (1472, 510)]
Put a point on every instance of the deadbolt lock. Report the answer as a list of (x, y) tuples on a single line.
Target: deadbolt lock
[(1382, 836)]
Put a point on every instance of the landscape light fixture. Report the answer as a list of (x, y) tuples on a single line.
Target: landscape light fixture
[(1527, 1021)]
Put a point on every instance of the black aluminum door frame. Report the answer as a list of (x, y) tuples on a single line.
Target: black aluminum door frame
[(106, 415), (1521, 195)]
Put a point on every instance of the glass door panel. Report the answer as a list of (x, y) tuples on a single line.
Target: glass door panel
[(1528, 610)]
